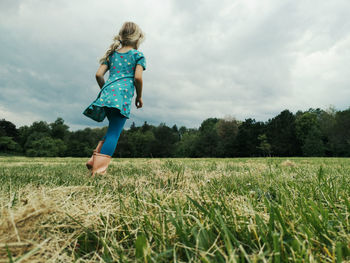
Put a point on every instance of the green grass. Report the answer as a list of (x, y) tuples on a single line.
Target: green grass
[(176, 210)]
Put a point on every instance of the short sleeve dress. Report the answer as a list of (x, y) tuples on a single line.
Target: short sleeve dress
[(118, 90)]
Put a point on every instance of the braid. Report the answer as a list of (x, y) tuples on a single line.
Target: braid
[(117, 41)]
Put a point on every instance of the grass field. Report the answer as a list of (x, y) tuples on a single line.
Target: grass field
[(175, 210)]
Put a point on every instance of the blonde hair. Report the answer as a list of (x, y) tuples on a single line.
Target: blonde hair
[(130, 34)]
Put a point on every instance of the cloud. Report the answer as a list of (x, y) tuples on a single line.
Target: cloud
[(205, 59)]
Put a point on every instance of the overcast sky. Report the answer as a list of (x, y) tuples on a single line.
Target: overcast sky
[(241, 58)]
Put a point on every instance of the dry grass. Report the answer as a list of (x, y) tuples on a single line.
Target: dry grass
[(288, 163), (55, 213)]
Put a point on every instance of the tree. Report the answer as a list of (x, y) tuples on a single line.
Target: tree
[(8, 145), (227, 130), (133, 127), (7, 128), (36, 131), (327, 123), (143, 143), (146, 127), (314, 132), (264, 146), (175, 129), (58, 129), (81, 143), (9, 137), (340, 136), (124, 146), (207, 142), (186, 147), (182, 131), (44, 146), (282, 135), (307, 127), (313, 144), (164, 144), (247, 141), (41, 127), (304, 123)]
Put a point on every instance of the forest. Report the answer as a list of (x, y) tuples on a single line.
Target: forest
[(314, 132)]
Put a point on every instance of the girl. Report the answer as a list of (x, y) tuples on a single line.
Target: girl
[(125, 64)]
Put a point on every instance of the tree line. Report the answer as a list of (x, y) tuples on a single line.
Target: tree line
[(314, 132)]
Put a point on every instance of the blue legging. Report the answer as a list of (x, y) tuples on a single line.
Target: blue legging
[(115, 127)]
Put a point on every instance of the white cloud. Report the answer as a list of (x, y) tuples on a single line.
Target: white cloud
[(246, 58), (24, 118)]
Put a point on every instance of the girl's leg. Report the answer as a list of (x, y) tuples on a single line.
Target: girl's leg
[(115, 127)]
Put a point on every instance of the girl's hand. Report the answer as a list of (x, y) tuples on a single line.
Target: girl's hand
[(100, 73), (138, 102)]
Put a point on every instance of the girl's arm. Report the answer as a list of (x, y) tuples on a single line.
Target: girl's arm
[(100, 73), (138, 85)]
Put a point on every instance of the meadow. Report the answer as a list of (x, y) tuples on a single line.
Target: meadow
[(175, 210)]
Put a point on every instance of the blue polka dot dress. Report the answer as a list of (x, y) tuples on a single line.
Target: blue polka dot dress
[(118, 90)]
